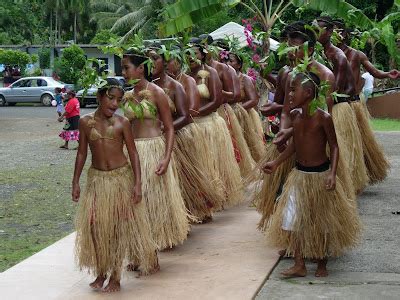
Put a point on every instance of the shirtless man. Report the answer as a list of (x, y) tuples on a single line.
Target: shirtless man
[(344, 79), (357, 58), (298, 38)]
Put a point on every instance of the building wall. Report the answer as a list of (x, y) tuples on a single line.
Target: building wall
[(386, 106)]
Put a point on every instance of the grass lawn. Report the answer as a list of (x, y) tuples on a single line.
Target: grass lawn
[(386, 124)]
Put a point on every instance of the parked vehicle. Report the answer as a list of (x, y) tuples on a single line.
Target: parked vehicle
[(90, 97), (31, 89)]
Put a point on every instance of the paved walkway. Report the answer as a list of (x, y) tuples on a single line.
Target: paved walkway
[(225, 259), (370, 271)]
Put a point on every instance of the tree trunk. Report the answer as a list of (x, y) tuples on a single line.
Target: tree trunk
[(75, 21), (56, 28)]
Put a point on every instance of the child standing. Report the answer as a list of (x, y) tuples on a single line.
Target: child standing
[(59, 101), (72, 114), (313, 217), (111, 221)]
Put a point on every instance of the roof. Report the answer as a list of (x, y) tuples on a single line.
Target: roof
[(236, 30)]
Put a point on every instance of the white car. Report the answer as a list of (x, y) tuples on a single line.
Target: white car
[(31, 89)]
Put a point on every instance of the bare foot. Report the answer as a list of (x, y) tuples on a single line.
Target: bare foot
[(295, 271), (98, 283), (112, 286), (151, 272), (321, 271), (132, 267), (207, 219), (282, 252)]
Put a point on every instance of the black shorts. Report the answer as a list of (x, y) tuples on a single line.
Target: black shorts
[(73, 123)]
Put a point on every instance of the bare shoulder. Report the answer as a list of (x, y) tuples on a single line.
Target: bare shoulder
[(213, 72), (121, 119), (324, 116), (85, 118)]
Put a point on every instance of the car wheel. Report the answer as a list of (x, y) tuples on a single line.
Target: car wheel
[(46, 99), (11, 103), (3, 101)]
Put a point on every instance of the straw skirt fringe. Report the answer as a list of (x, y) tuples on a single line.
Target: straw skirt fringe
[(350, 143), (321, 223), (209, 157), (246, 161), (375, 160), (227, 165), (109, 226), (196, 185), (267, 186), (251, 131), (169, 219)]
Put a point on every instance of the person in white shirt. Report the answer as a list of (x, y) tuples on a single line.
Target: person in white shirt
[(368, 85)]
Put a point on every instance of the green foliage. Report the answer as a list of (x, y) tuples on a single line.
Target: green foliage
[(44, 58), (16, 57), (89, 75), (103, 37), (69, 65)]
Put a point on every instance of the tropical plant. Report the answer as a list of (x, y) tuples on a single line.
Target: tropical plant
[(44, 58), (125, 17), (103, 37), (70, 64), (16, 58)]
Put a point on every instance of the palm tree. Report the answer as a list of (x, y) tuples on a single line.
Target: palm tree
[(76, 7), (126, 17)]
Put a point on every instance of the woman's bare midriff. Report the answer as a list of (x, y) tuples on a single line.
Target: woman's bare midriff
[(107, 154), (146, 128)]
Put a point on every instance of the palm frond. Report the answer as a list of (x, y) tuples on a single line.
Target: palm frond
[(129, 20)]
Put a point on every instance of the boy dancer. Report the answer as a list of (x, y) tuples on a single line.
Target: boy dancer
[(313, 218)]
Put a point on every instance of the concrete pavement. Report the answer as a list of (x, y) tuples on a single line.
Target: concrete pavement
[(370, 271), (225, 259)]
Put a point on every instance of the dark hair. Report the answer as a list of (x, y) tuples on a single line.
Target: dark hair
[(196, 43), (329, 24), (111, 84), (339, 23), (298, 25), (138, 59), (71, 92), (57, 90), (304, 34), (206, 39), (312, 83)]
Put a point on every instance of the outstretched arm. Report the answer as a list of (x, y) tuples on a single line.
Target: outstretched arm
[(393, 74), (271, 166)]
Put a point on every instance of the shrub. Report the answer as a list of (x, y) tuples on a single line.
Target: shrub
[(69, 65), (44, 58)]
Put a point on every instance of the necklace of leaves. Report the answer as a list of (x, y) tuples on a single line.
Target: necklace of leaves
[(140, 103)]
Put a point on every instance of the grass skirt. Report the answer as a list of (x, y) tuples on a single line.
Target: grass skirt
[(267, 186), (107, 218), (245, 160), (251, 130), (350, 143), (162, 196), (209, 158), (227, 165), (375, 160), (321, 223), (197, 186)]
